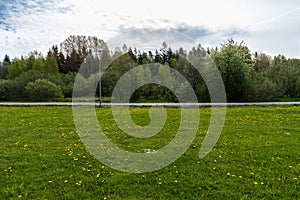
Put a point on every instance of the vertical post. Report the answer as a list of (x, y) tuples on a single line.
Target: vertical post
[(100, 71)]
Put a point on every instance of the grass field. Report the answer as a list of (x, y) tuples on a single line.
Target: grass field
[(256, 157)]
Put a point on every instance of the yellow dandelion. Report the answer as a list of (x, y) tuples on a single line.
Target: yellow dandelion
[(240, 177), (295, 179), (290, 166), (251, 173), (262, 183), (98, 175), (50, 181), (75, 159), (79, 183), (66, 181), (228, 174), (255, 183)]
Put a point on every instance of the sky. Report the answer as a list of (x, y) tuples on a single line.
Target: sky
[(269, 26)]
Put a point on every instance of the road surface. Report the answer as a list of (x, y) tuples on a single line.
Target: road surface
[(166, 105)]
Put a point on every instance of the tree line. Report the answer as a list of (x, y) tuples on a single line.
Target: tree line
[(247, 76)]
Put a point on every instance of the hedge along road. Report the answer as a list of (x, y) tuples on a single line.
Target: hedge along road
[(166, 105)]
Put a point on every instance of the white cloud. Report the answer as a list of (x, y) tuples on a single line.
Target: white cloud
[(37, 25)]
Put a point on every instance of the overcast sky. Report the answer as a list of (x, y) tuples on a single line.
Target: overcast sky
[(270, 26)]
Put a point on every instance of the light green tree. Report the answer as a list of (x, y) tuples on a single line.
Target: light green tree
[(235, 65)]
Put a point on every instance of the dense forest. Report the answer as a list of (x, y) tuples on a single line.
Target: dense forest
[(247, 76)]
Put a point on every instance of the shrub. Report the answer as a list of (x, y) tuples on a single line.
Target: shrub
[(6, 88), (43, 89)]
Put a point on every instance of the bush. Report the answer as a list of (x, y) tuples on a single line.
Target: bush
[(43, 89), (68, 82), (6, 87)]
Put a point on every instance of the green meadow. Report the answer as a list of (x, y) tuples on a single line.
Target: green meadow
[(256, 157)]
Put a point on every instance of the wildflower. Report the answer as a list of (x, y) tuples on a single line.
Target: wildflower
[(262, 183), (240, 177), (50, 181), (295, 179), (176, 181), (98, 175), (255, 183), (75, 159), (228, 174), (252, 174), (290, 166), (66, 181), (79, 183)]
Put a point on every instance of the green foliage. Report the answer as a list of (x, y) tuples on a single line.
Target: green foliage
[(235, 66), (3, 72), (6, 87), (16, 69), (246, 78), (68, 83), (43, 89)]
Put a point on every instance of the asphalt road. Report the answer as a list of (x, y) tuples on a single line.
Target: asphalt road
[(167, 105)]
